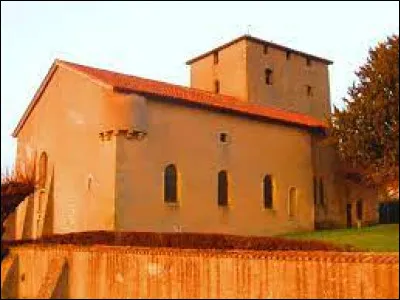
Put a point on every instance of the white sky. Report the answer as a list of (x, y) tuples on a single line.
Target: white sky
[(154, 39)]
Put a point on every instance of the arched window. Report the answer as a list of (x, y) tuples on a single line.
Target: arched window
[(170, 184), (222, 188), (359, 209), (292, 201), (42, 170), (321, 191), (315, 186), (268, 191)]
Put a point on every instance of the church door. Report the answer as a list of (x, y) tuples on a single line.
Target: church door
[(348, 214)]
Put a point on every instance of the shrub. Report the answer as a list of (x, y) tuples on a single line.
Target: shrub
[(184, 241), (15, 187)]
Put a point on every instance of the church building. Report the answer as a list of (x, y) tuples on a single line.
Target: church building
[(240, 151)]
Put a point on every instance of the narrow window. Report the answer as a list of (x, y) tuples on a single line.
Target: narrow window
[(315, 185), (292, 201), (268, 76), (321, 192), (216, 58), (359, 208), (216, 86), (223, 137), (222, 188), (268, 192), (170, 184), (309, 90), (288, 55), (265, 49), (42, 170), (309, 61)]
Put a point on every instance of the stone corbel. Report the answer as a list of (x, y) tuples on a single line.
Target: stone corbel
[(128, 134), (106, 135), (135, 134), (139, 135)]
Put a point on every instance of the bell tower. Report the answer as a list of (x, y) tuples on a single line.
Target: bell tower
[(265, 73)]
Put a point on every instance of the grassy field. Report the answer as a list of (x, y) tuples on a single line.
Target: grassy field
[(380, 238)]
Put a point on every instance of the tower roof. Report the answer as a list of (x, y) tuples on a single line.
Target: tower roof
[(259, 41)]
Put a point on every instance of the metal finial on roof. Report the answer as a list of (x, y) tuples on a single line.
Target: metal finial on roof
[(248, 29)]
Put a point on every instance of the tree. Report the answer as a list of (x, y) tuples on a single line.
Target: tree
[(15, 187), (366, 132)]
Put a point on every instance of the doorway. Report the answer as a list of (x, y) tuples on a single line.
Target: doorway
[(348, 214), (389, 212)]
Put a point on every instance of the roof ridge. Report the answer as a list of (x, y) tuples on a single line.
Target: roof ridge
[(260, 41)]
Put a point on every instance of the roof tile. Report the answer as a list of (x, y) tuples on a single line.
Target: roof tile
[(131, 83)]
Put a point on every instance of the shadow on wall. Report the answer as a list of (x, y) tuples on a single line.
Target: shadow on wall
[(28, 218)]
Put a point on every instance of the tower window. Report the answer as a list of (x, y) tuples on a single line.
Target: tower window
[(309, 90), (268, 192), (216, 86), (223, 137), (222, 188), (265, 49), (216, 58), (288, 55), (170, 184), (268, 76), (309, 61)]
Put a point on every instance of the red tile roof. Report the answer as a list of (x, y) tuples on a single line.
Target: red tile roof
[(137, 84), (129, 83)]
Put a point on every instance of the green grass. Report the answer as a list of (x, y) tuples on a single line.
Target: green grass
[(379, 238)]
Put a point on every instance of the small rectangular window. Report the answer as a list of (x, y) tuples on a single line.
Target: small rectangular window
[(268, 76), (288, 55), (265, 49), (223, 137), (309, 61), (216, 59)]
